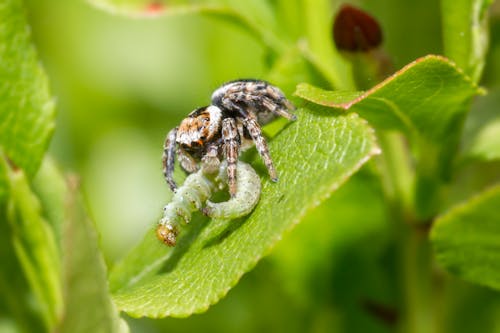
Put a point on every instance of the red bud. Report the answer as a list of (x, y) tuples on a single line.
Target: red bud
[(356, 31)]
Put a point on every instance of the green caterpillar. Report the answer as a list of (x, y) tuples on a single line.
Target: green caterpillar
[(198, 188)]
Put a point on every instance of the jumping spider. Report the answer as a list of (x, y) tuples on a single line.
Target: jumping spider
[(221, 130)]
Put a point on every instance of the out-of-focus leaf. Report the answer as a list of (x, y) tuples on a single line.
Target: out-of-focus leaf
[(313, 156), (466, 239), (487, 143), (470, 306), (427, 100), (334, 244), (51, 189), (26, 108), (148, 8), (482, 129), (16, 302), (257, 10), (35, 245), (400, 19), (88, 305), (255, 17), (465, 33), (145, 8), (3, 183), (80, 280)]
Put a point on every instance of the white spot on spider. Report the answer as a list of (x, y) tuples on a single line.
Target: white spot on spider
[(215, 119)]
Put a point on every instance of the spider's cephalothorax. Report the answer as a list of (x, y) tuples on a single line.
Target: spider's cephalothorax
[(221, 130)]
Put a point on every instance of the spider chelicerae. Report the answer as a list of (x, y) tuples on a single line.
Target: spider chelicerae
[(221, 130)]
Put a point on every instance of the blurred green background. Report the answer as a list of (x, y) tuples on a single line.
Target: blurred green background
[(121, 84)]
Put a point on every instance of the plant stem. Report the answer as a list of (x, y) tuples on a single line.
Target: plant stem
[(417, 282), (415, 259), (320, 51), (397, 174)]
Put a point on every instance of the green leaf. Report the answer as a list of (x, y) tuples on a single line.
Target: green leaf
[(54, 282), (26, 108), (144, 8), (255, 17), (148, 8), (51, 189), (331, 253), (88, 304), (465, 33), (424, 98), (486, 144), (470, 306), (35, 245), (427, 100), (481, 135), (466, 239), (313, 156), (16, 302)]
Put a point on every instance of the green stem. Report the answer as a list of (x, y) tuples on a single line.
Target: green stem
[(319, 49), (397, 174), (415, 255), (418, 316)]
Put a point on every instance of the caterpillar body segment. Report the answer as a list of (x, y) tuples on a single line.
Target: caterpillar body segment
[(195, 192), (246, 197)]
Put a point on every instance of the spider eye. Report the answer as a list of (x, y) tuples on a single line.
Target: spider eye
[(197, 143)]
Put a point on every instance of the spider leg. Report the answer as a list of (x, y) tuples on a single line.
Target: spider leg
[(276, 94), (231, 150), (280, 109), (187, 162), (169, 158), (210, 161), (260, 143)]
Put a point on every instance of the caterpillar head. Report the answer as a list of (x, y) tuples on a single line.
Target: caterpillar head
[(167, 234)]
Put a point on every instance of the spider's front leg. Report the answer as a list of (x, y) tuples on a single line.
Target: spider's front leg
[(169, 158), (255, 131), (186, 161), (232, 143), (210, 161)]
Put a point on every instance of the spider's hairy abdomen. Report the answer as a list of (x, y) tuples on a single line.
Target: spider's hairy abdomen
[(258, 97), (244, 86)]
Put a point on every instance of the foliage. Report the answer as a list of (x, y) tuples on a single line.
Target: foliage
[(23, 94), (396, 187)]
